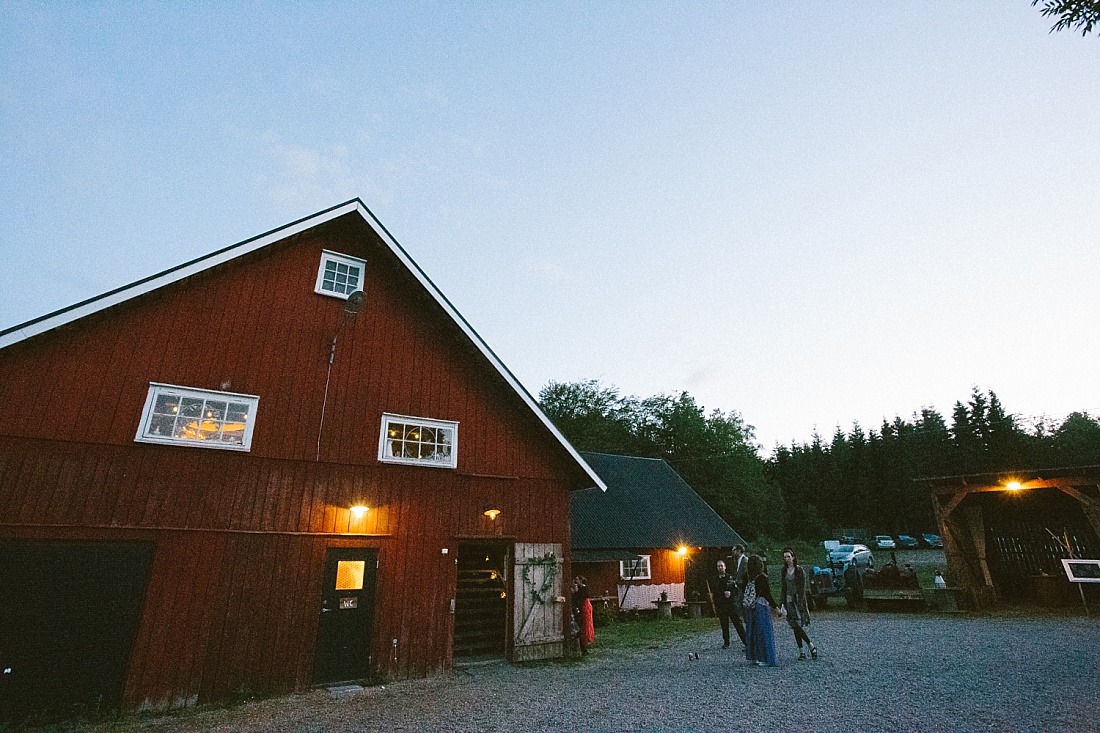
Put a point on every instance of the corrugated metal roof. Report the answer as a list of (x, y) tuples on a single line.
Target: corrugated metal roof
[(602, 555), (646, 504)]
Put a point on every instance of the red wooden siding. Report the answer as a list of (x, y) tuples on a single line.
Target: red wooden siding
[(241, 537)]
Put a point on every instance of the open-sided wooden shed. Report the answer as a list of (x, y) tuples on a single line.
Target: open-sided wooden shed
[(1005, 534), (289, 462)]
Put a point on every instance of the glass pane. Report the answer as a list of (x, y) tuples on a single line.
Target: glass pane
[(210, 429), (191, 407), (215, 410), (236, 412), (394, 448), (427, 435), (233, 432), (412, 432), (330, 267), (349, 574), (445, 437), (353, 280), (161, 425), (186, 429), (410, 450), (167, 404), (341, 268)]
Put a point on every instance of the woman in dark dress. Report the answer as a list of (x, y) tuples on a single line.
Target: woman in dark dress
[(759, 607), (793, 592)]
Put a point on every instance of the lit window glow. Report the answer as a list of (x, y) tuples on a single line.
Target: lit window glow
[(420, 441), (205, 418)]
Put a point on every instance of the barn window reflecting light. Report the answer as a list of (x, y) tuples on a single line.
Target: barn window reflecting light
[(189, 416), (418, 440)]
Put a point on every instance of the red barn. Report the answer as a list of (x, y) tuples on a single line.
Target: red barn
[(287, 463)]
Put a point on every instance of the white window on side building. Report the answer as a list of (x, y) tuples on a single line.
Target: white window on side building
[(197, 417), (635, 569), (418, 441)]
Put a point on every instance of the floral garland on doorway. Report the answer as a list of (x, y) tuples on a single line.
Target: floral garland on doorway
[(549, 564)]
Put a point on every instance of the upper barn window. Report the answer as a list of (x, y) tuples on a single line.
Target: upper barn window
[(339, 275), (419, 441), (199, 417)]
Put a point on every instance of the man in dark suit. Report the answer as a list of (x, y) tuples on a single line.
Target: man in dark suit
[(739, 568), (723, 587)]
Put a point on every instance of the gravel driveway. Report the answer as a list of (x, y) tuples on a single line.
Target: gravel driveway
[(877, 672)]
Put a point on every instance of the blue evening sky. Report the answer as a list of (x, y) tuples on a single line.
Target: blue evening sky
[(811, 213)]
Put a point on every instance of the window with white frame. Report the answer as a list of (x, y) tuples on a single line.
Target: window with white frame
[(417, 440), (339, 275), (634, 569), (204, 418)]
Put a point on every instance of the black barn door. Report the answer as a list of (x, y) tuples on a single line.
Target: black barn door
[(68, 615), (347, 616)]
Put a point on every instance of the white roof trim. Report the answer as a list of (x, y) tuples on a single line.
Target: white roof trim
[(84, 308)]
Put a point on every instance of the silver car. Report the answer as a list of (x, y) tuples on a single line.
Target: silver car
[(858, 554)]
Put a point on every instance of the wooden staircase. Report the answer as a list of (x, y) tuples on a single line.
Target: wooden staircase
[(481, 604)]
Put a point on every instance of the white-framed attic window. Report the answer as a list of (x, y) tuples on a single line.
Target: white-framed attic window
[(175, 415), (418, 441), (339, 275), (635, 569)]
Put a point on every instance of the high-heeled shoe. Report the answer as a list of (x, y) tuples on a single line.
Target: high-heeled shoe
[(813, 652)]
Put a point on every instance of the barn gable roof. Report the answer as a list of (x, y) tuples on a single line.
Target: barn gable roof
[(50, 321), (647, 504)]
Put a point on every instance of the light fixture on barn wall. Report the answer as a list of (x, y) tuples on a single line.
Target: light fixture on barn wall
[(1014, 486), (491, 513), (359, 510)]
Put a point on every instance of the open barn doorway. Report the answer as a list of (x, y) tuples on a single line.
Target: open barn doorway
[(1027, 535), (69, 612), (481, 601)]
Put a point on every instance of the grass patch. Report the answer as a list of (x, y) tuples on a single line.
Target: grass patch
[(649, 633)]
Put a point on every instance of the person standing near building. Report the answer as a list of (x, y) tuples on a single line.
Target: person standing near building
[(723, 588), (759, 607), (793, 594), (582, 614), (739, 568)]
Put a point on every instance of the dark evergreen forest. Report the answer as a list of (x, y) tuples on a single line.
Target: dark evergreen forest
[(859, 478)]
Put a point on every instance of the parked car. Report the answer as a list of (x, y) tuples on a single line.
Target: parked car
[(932, 540), (858, 554), (884, 542), (906, 542)]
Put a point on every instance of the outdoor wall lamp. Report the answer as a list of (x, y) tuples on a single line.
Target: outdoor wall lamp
[(359, 510), (491, 513), (683, 550), (1013, 486)]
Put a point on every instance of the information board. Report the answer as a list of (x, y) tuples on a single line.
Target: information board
[(1082, 571)]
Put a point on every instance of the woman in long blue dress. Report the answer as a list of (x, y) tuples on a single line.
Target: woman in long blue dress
[(759, 606)]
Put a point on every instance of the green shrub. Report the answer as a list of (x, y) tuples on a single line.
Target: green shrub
[(602, 616)]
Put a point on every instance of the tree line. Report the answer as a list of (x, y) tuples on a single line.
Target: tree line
[(857, 478)]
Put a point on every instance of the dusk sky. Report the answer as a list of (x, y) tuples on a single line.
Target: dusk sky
[(810, 213)]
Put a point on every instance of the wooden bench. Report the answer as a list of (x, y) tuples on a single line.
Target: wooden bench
[(906, 596)]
